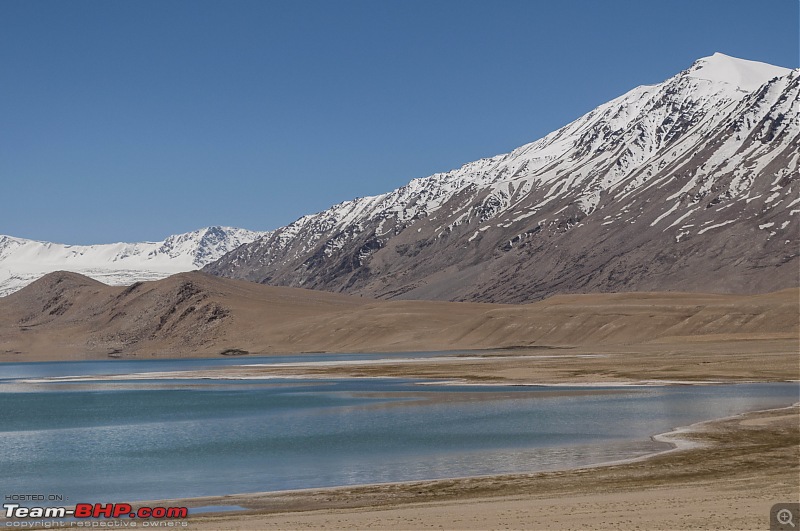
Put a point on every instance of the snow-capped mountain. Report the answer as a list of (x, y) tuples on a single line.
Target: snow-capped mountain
[(690, 184), (23, 261)]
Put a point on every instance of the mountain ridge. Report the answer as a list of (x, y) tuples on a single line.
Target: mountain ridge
[(696, 162)]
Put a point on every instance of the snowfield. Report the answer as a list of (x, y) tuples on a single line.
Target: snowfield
[(23, 261)]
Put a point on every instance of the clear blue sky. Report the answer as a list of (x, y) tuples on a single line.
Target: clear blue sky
[(133, 120)]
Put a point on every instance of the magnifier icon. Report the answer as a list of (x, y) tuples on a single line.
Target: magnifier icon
[(784, 517)]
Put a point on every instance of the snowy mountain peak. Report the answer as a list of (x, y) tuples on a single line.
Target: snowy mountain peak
[(747, 75), (23, 261), (651, 190), (207, 244)]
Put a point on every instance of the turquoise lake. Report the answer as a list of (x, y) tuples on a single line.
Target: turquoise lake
[(154, 438)]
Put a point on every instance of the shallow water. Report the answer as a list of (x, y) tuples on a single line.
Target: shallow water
[(153, 439), (9, 371)]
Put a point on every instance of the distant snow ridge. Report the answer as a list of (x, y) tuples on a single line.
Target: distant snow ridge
[(676, 168), (23, 261)]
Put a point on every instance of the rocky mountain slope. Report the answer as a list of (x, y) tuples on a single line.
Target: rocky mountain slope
[(69, 316), (690, 184), (23, 261)]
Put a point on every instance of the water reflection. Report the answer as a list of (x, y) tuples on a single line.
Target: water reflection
[(146, 440)]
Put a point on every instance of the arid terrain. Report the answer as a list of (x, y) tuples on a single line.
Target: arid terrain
[(69, 316)]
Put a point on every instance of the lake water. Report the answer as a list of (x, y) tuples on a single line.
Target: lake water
[(152, 439)]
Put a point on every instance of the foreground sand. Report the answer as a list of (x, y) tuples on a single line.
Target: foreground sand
[(739, 469)]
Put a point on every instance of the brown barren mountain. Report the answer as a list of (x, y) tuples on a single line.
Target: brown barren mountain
[(69, 316)]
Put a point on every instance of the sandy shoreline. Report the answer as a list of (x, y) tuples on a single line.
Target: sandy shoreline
[(682, 363), (720, 474)]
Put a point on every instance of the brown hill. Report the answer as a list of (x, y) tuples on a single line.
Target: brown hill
[(69, 316)]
